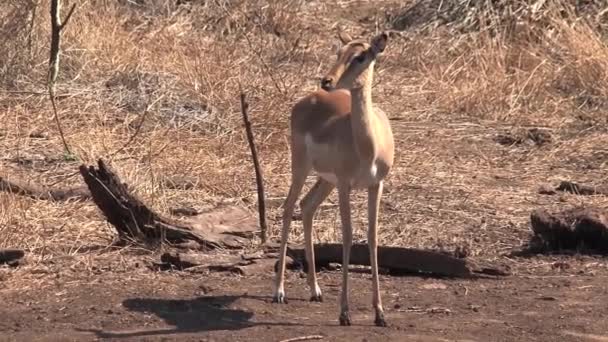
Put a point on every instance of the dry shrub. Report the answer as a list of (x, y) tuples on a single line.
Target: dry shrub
[(19, 34), (517, 69), (165, 76), (208, 48), (582, 57), (495, 16), (153, 87)]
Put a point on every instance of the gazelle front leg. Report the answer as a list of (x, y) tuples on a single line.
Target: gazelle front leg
[(373, 207), (310, 203), (347, 241)]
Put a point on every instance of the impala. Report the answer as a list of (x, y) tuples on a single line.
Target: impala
[(348, 142)]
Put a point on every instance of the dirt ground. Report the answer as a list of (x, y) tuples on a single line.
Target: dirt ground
[(480, 124), (174, 306)]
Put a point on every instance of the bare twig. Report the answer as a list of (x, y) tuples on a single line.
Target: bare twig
[(256, 164), (265, 65), (57, 121), (56, 27), (304, 338), (139, 126)]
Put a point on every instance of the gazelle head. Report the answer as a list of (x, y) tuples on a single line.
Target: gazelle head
[(355, 62)]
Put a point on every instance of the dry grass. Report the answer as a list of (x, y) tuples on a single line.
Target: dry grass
[(179, 69)]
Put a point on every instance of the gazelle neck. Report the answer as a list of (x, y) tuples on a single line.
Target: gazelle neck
[(362, 121), (362, 107)]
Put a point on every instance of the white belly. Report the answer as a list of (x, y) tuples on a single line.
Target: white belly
[(362, 179)]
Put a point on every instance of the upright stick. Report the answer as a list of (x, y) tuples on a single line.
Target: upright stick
[(256, 164), (56, 27)]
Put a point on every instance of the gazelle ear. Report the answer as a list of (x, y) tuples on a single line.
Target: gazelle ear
[(378, 43), (344, 37)]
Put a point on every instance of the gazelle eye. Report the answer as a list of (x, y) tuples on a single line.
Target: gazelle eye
[(359, 58)]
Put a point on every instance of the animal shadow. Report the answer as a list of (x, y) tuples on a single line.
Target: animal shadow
[(186, 316)]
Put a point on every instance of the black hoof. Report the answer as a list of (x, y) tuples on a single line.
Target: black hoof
[(380, 321), (344, 319), (318, 299), (279, 300)]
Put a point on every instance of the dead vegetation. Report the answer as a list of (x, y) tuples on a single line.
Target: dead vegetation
[(499, 17), (153, 87)]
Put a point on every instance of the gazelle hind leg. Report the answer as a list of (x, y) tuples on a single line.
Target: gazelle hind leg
[(299, 174), (309, 204), (373, 207)]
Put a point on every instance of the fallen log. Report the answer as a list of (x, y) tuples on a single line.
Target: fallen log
[(574, 228), (395, 259), (227, 227), (11, 256), (574, 188), (43, 193), (196, 263)]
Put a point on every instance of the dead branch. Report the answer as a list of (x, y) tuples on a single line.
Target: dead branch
[(395, 259), (38, 192), (56, 27), (228, 227), (259, 179)]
